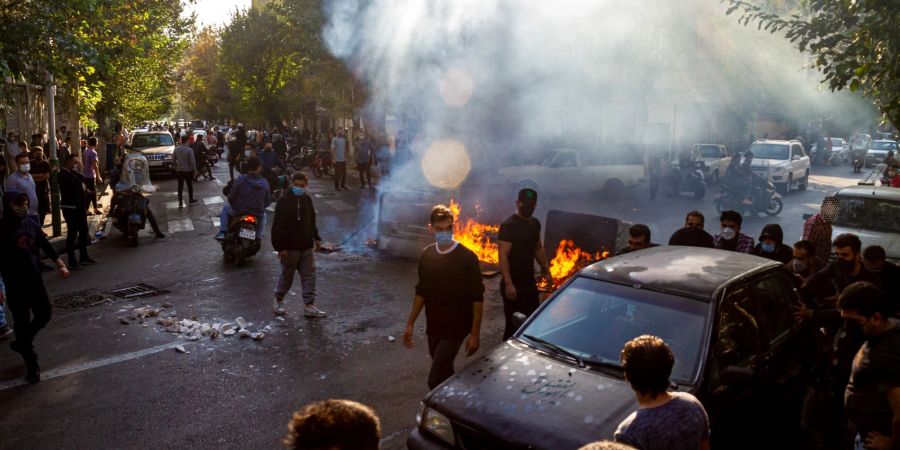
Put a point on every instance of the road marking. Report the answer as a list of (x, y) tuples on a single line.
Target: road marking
[(69, 370), (216, 222), (172, 205), (177, 225), (213, 200), (340, 205)]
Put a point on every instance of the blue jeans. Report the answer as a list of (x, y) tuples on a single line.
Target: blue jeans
[(3, 305), (226, 215)]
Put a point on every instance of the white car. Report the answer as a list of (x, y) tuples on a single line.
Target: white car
[(784, 163), (715, 157), (878, 150), (873, 214), (573, 171), (158, 147)]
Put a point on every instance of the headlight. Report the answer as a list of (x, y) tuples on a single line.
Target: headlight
[(169, 156), (779, 169), (438, 425)]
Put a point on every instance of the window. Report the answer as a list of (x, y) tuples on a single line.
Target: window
[(738, 340), (565, 160), (796, 150), (769, 151), (869, 213), (774, 307)]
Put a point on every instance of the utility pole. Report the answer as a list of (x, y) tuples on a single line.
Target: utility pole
[(54, 161)]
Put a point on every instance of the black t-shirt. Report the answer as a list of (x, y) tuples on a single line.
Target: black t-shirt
[(524, 235), (449, 283), (692, 237), (38, 168), (831, 281), (876, 370), (890, 283)]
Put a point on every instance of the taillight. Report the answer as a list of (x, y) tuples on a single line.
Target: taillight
[(250, 219)]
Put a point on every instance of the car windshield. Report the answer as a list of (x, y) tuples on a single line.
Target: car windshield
[(151, 140), (869, 213), (594, 319), (837, 142), (769, 151), (883, 145), (710, 151)]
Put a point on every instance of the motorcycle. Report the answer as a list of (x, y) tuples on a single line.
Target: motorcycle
[(279, 181), (322, 164), (859, 160), (129, 213), (303, 158), (242, 239), (764, 199), (837, 157), (689, 180)]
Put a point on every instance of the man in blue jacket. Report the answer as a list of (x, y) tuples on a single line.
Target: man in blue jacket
[(248, 195)]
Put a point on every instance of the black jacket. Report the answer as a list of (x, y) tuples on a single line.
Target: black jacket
[(71, 190), (294, 227)]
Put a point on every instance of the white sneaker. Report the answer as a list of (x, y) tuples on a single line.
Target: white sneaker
[(278, 309), (312, 311)]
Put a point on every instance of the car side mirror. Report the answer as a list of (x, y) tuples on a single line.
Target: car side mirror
[(795, 158), (807, 216), (736, 376), (518, 319)]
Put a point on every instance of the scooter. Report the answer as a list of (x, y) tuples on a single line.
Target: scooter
[(689, 180), (129, 213), (765, 199), (303, 158), (322, 164), (859, 160), (242, 239)]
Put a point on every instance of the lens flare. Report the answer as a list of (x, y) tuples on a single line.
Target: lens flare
[(446, 164), (456, 87)]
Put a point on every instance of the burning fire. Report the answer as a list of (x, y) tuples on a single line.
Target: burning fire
[(476, 236), (569, 259)]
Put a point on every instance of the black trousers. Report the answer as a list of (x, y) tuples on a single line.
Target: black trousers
[(654, 186), (185, 177), (526, 302), (443, 352), (365, 173), (76, 222), (91, 191), (30, 308), (340, 174)]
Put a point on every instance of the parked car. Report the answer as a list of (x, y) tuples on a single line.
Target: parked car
[(878, 150), (873, 214), (715, 159), (158, 147), (567, 170), (558, 383), (784, 163)]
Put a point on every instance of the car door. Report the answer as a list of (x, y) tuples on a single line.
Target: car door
[(776, 297), (797, 167), (565, 173)]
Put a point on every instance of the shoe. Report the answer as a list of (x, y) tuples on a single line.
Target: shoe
[(220, 236), (180, 205), (159, 235), (5, 331), (75, 266), (87, 261), (34, 373), (278, 308), (312, 311), (193, 200), (212, 178)]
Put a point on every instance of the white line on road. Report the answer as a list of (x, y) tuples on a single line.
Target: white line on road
[(216, 222), (213, 200), (172, 205), (340, 205), (177, 225), (69, 370)]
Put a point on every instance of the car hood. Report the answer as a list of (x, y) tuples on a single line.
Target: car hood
[(512, 170), (518, 395), (890, 241), (877, 151), (766, 163), (154, 150)]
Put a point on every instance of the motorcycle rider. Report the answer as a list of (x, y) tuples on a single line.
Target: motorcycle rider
[(269, 160), (248, 195)]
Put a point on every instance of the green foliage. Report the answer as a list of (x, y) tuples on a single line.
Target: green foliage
[(854, 44), (203, 86)]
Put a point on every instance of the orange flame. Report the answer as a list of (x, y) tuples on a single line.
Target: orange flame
[(569, 260), (475, 236)]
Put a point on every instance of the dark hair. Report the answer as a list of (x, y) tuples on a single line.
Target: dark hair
[(695, 213), (806, 246), (92, 141), (21, 155), (342, 424), (185, 138), (638, 230), (848, 240), (865, 298), (70, 157), (299, 176), (252, 163), (732, 216), (648, 363), (440, 212), (874, 253)]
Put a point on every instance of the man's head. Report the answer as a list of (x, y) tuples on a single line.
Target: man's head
[(694, 219), (72, 160), (804, 251), (847, 248), (11, 137), (639, 237), (185, 139), (299, 180), (334, 425), (874, 258), (730, 221), (526, 202), (267, 147), (252, 165), (829, 210), (92, 142), (863, 304), (37, 153), (22, 162), (648, 363), (748, 158)]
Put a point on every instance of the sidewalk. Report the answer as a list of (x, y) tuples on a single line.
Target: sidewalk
[(95, 223)]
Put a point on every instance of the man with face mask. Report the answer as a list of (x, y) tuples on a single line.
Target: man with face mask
[(451, 291), (804, 263), (295, 237), (520, 246), (731, 237), (872, 396), (875, 259), (817, 229), (771, 244), (22, 181)]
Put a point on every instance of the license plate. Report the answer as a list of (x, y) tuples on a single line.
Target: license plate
[(247, 233), (155, 163)]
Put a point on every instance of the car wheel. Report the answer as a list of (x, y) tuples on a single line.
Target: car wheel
[(613, 190), (804, 183), (700, 192), (785, 188)]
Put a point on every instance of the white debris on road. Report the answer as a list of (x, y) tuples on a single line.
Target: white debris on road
[(193, 329)]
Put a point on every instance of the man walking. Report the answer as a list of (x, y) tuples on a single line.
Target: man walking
[(520, 245), (339, 150), (91, 173), (22, 181), (40, 173), (72, 203), (817, 229), (364, 152), (185, 170), (452, 293), (295, 237)]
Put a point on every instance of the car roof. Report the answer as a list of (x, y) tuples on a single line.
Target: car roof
[(775, 141), (885, 192), (689, 271), (884, 140)]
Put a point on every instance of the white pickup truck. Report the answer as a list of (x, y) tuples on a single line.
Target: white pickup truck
[(575, 171), (784, 163)]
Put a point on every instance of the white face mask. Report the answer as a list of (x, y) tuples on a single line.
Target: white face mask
[(25, 168), (728, 233)]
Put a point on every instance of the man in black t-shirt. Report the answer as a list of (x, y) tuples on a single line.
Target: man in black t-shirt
[(520, 245), (452, 293), (872, 397)]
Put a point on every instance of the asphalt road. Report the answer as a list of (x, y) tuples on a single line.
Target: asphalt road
[(110, 385)]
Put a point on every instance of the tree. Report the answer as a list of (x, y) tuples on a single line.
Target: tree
[(203, 86), (854, 44)]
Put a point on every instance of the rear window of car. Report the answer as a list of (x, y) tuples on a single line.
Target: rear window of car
[(875, 214), (710, 151), (883, 146), (770, 151), (151, 140), (837, 142)]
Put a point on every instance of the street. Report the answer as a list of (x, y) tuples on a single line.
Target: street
[(108, 384)]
